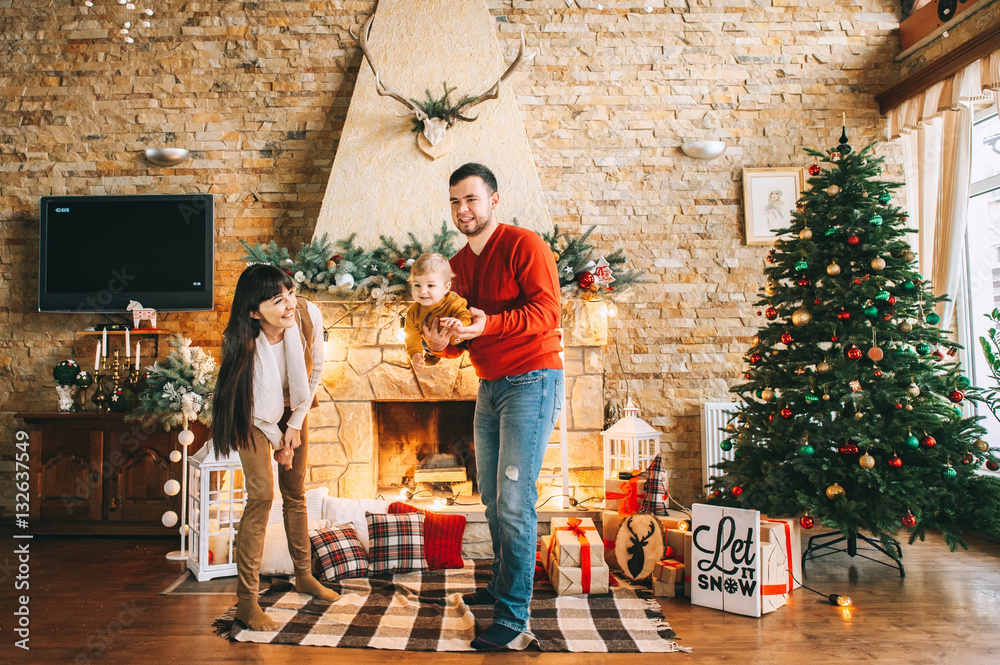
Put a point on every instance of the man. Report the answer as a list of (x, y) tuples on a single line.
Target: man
[(508, 275)]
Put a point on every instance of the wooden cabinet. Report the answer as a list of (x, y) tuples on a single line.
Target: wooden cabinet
[(96, 473)]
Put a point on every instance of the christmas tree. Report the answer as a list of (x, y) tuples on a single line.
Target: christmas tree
[(852, 415)]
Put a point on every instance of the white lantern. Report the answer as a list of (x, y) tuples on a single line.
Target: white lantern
[(216, 499), (631, 443)]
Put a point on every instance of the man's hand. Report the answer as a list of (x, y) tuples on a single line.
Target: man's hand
[(435, 335), (417, 360), (292, 438), (462, 332)]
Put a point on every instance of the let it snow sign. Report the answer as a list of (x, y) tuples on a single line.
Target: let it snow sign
[(725, 559)]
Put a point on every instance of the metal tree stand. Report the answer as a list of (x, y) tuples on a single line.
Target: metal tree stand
[(830, 541)]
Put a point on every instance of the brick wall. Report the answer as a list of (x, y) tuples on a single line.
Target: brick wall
[(259, 90)]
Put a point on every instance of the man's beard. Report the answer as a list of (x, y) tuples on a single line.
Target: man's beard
[(481, 225)]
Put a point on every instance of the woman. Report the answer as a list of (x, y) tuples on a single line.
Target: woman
[(272, 361)]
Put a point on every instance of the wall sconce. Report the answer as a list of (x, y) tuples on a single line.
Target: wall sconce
[(166, 156), (703, 149)]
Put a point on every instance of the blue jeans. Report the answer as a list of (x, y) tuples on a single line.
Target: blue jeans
[(515, 417)]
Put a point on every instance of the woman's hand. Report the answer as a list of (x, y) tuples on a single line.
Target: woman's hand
[(292, 438), (284, 457)]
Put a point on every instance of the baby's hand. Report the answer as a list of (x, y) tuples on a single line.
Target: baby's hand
[(284, 456), (417, 360), (450, 322)]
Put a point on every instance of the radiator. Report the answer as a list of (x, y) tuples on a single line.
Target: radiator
[(714, 417)]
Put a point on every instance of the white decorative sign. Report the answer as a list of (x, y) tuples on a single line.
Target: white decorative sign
[(725, 559)]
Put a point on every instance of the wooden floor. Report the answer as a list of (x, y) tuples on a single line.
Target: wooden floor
[(95, 600)]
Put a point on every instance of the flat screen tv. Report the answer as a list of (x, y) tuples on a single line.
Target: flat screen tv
[(97, 253)]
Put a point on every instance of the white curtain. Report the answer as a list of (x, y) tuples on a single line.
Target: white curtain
[(935, 127)]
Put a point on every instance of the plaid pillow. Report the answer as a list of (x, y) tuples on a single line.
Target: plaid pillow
[(396, 542), (338, 553)]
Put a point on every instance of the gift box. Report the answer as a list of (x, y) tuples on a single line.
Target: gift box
[(611, 521), (773, 567), (668, 578), (624, 496), (681, 543), (576, 542), (791, 543), (570, 581)]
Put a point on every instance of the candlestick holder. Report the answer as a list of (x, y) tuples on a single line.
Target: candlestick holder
[(100, 397)]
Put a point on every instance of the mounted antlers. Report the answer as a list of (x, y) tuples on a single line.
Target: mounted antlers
[(435, 126)]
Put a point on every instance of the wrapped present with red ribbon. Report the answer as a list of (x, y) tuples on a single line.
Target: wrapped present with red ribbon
[(624, 496), (773, 568), (668, 578), (790, 541), (575, 557), (681, 542)]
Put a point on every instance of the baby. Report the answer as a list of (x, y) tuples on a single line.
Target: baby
[(430, 285)]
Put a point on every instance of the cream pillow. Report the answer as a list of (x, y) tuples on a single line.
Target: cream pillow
[(340, 511), (276, 559)]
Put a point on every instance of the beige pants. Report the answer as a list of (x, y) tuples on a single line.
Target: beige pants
[(249, 545)]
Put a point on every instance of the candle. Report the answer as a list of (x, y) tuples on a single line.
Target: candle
[(128, 344), (97, 357), (843, 118), (137, 366), (104, 342)]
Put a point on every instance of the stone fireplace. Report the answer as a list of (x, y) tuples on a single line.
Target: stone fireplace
[(367, 376)]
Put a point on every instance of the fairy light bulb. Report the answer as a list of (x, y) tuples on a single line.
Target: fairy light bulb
[(129, 40), (148, 12), (612, 310), (89, 3), (841, 601), (129, 5), (401, 335), (440, 502)]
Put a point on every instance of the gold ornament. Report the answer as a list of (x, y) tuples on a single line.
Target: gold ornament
[(832, 190), (771, 288), (904, 327), (826, 397), (833, 269), (982, 445), (805, 234), (913, 389), (834, 492), (859, 415), (909, 256), (878, 263), (909, 407), (555, 255), (823, 367), (767, 395), (866, 461), (802, 317)]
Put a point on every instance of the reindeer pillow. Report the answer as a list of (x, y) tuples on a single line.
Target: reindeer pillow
[(639, 545)]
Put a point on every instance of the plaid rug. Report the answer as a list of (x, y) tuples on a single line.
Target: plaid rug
[(423, 611)]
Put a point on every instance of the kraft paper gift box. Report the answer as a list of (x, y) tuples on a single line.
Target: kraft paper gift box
[(566, 546), (668, 575), (773, 568), (569, 581), (610, 521), (681, 542), (791, 543), (615, 491)]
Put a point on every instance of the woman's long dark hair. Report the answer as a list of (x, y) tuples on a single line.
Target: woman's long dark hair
[(232, 407)]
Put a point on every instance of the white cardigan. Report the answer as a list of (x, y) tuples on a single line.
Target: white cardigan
[(268, 395)]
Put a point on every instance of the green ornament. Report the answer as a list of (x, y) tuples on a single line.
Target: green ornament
[(871, 311), (908, 286), (759, 393), (811, 398), (123, 400), (958, 411), (962, 383), (65, 372), (801, 264), (884, 198), (876, 220), (950, 473), (807, 450), (923, 348), (912, 442), (84, 379), (726, 445), (830, 231), (882, 296), (933, 319)]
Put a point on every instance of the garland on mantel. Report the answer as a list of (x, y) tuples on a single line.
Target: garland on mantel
[(351, 272)]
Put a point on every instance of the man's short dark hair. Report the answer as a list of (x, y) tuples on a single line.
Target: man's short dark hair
[(472, 169)]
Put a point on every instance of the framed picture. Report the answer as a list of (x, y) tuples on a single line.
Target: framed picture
[(769, 197)]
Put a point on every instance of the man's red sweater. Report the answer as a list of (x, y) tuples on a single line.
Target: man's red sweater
[(513, 280)]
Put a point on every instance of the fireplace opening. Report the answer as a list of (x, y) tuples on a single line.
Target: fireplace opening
[(426, 448)]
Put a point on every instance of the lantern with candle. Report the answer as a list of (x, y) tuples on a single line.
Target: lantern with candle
[(215, 499)]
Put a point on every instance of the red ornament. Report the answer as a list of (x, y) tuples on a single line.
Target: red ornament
[(857, 280), (848, 449), (804, 282), (897, 406), (956, 396), (854, 353), (755, 358), (967, 459), (887, 317), (834, 338), (737, 490), (895, 462), (844, 315), (786, 412), (746, 375), (928, 441), (878, 374), (909, 521), (786, 338), (891, 300), (585, 280), (806, 522), (337, 258), (401, 263), (991, 465), (771, 313), (770, 417), (853, 240), (813, 170), (817, 301)]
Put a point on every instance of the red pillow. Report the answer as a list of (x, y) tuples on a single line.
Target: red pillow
[(442, 536)]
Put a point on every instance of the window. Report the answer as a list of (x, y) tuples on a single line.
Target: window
[(980, 293)]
